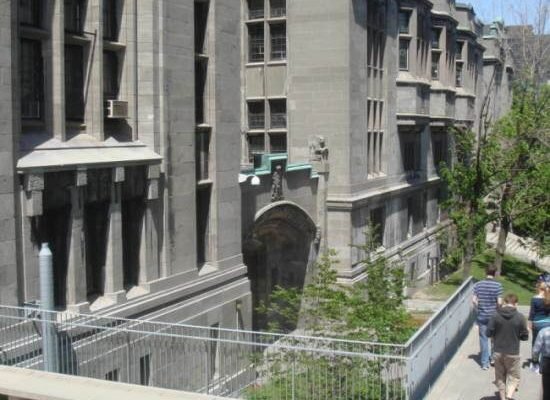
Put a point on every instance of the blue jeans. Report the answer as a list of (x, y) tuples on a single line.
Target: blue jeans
[(484, 345)]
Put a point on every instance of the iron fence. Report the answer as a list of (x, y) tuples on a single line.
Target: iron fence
[(234, 363)]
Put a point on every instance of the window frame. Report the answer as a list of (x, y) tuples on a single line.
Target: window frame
[(407, 43)]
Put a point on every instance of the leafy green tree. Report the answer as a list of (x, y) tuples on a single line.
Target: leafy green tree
[(522, 181)]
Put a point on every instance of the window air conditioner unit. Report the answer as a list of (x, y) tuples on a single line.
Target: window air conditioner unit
[(117, 109)]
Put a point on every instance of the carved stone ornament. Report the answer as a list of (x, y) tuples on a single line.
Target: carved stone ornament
[(277, 184)]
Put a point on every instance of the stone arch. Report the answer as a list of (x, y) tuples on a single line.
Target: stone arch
[(280, 249)]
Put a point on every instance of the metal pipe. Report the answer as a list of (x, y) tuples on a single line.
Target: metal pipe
[(49, 353)]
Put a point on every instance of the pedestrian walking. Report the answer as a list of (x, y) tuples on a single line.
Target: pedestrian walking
[(541, 352), (508, 327), (487, 296), (539, 315)]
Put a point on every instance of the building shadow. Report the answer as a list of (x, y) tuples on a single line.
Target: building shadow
[(476, 358)]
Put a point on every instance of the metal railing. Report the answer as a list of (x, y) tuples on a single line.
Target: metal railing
[(234, 363), (432, 347)]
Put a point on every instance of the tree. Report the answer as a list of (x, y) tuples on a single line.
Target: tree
[(522, 184)]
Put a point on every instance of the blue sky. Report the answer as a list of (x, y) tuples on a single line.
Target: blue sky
[(512, 11)]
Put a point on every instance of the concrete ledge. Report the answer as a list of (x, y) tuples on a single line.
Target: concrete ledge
[(25, 384)]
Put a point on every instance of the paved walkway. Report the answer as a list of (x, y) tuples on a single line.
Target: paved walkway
[(463, 379)]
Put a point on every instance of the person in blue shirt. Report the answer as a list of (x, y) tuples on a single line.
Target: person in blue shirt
[(541, 351), (487, 297), (539, 314)]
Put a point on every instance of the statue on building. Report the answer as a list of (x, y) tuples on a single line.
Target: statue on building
[(277, 184), (318, 149)]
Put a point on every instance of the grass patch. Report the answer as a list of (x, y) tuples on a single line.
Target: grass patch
[(517, 277)]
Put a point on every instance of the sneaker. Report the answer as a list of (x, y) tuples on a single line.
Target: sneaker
[(534, 367), (492, 362), (485, 367)]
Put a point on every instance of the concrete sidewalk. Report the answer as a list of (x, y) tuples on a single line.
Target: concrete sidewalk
[(463, 379)]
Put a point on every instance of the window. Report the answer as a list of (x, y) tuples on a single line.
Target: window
[(256, 146), (256, 42), (277, 8), (410, 147), (277, 110), (112, 375), (202, 147), (459, 74), (256, 115), (255, 9), (459, 47), (374, 152), (404, 18), (436, 33), (278, 41), (30, 12), (435, 65), (203, 217), (32, 79), (110, 20), (377, 220), (439, 149), (201, 74), (110, 75), (74, 82), (403, 54), (145, 370), (74, 16), (201, 22), (277, 143)]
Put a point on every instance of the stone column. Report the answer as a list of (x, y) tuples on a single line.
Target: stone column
[(76, 254), (94, 100), (57, 61), (31, 205), (149, 252), (114, 278)]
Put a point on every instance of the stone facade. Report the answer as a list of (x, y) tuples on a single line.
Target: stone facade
[(154, 144)]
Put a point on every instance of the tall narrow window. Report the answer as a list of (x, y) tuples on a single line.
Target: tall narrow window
[(32, 79), (30, 12), (256, 115), (110, 75), (277, 143), (256, 42), (255, 9), (277, 110), (435, 65), (277, 8), (403, 54), (202, 148), (110, 19), (201, 21), (201, 74), (458, 74), (256, 145), (410, 147), (112, 375), (74, 82), (377, 220), (203, 217), (436, 33), (278, 41), (145, 370), (459, 47), (404, 18), (74, 16)]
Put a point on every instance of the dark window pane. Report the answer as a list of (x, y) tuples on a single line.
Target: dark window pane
[(278, 41), (436, 33), (201, 19), (435, 65), (110, 75), (30, 12), (459, 47), (404, 17), (201, 70), (203, 216), (277, 8), (144, 370), (110, 19), (404, 54), (74, 15), (278, 113), (256, 145), (256, 115), (74, 82), (459, 75), (202, 147), (32, 79), (377, 220), (256, 42), (277, 143), (255, 9)]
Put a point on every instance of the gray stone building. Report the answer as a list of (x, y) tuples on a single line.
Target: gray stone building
[(183, 157)]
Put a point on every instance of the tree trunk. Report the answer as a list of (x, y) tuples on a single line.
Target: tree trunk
[(468, 255), (501, 246)]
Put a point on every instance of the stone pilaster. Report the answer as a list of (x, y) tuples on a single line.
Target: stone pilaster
[(76, 263), (114, 278)]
